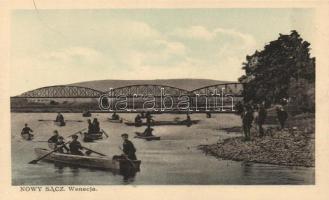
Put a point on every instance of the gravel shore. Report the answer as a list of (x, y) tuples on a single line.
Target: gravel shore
[(290, 147)]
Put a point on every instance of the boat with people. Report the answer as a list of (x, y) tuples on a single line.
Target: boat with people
[(27, 136), (98, 162), (90, 137), (115, 120), (60, 123), (86, 114), (163, 123), (148, 138)]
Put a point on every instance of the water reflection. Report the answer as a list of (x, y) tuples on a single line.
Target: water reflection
[(128, 173)]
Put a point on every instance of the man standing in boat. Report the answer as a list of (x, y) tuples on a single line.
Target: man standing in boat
[(75, 146), (26, 131), (128, 147)]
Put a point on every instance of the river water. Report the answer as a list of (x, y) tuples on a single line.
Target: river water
[(173, 160)]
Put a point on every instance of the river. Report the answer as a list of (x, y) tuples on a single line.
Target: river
[(173, 160)]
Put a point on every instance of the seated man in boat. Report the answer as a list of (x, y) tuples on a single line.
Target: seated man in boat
[(138, 119), (148, 117), (59, 118), (90, 127), (129, 149), (115, 116), (26, 131), (75, 146), (96, 127), (53, 140), (60, 145), (148, 131), (142, 114)]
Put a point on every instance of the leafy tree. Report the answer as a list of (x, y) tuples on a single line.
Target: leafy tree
[(269, 73)]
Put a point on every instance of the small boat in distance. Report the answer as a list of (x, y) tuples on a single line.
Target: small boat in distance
[(164, 123), (90, 137), (86, 114), (27, 136), (59, 123), (148, 138), (97, 162), (115, 120)]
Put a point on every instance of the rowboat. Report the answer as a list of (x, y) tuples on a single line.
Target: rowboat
[(86, 114), (148, 138), (27, 136), (91, 137), (164, 123), (115, 120), (59, 123), (98, 162)]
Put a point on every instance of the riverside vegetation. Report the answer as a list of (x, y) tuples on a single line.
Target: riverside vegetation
[(281, 74)]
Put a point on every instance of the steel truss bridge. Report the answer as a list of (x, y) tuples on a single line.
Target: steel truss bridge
[(206, 94)]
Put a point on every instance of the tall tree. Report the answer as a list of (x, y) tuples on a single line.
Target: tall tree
[(268, 73)]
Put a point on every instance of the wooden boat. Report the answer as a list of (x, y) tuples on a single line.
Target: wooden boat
[(59, 123), (27, 136), (87, 137), (86, 114), (99, 162), (148, 138), (115, 120), (164, 123)]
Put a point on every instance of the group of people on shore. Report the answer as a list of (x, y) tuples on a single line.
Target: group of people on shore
[(257, 114)]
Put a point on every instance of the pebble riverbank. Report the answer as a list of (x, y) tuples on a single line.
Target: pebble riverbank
[(291, 147)]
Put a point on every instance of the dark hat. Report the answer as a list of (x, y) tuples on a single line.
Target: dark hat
[(124, 135), (55, 131)]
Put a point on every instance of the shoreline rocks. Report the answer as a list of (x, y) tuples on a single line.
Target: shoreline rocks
[(283, 147)]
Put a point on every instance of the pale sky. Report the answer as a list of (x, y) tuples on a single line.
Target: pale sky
[(53, 47)]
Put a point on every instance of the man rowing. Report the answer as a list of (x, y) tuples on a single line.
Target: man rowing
[(129, 149), (26, 131), (75, 146), (53, 139), (138, 120), (90, 127), (60, 145), (59, 118), (96, 126), (115, 116), (148, 131)]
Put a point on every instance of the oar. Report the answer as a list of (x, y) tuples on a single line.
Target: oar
[(42, 157), (105, 133), (40, 141), (46, 120), (94, 151), (72, 120), (76, 132), (130, 161)]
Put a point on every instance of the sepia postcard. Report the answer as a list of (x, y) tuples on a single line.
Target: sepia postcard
[(163, 100)]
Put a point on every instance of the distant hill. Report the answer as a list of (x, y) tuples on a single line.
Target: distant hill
[(187, 84)]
